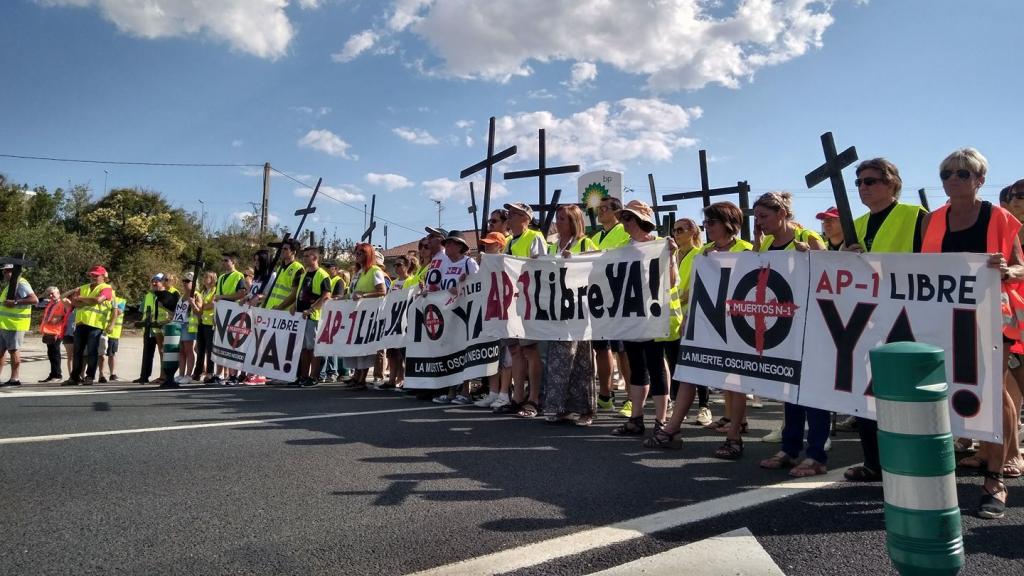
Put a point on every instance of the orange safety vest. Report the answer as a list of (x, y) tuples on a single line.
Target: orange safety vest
[(54, 317), (1000, 237)]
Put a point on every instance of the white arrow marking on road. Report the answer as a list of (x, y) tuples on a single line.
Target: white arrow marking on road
[(736, 553), (579, 542)]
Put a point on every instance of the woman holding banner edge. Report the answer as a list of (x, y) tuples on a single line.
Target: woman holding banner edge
[(648, 366), (368, 282), (774, 214), (968, 224)]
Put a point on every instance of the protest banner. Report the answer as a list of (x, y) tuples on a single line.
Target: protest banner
[(362, 327), (257, 340), (622, 294), (801, 332), (445, 343)]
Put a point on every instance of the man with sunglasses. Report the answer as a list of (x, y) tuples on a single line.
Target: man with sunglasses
[(611, 236)]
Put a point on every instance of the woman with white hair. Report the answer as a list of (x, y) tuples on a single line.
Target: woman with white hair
[(969, 224)]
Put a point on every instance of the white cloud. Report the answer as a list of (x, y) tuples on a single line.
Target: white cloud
[(606, 135), (345, 192), (583, 73), (309, 4), (416, 136), (237, 143), (463, 124), (356, 45), (676, 44), (388, 181), (272, 218), (315, 112), (257, 27), (542, 94), (445, 189), (327, 142)]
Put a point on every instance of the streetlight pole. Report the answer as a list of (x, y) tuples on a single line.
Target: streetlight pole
[(105, 174)]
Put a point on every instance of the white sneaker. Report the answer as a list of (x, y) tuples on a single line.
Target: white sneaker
[(500, 402), (755, 401), (486, 401), (462, 400), (443, 399), (183, 380), (848, 424), (828, 444), (704, 416), (774, 436)]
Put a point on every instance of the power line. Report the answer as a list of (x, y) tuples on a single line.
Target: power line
[(127, 163), (342, 202)]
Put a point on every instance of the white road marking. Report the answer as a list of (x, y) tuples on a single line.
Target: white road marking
[(735, 553), (221, 424), (579, 542)]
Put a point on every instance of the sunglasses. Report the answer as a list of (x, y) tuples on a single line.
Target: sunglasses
[(627, 217), (711, 221), (869, 181), (682, 230), (961, 174)]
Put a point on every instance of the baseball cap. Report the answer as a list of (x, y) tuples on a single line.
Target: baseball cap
[(97, 270), (436, 231), (494, 238), (8, 267), (189, 276), (832, 212), (159, 277)]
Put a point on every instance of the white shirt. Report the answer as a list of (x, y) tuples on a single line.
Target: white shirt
[(443, 273)]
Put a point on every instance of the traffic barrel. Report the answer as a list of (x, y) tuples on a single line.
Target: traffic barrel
[(922, 516), (172, 343)]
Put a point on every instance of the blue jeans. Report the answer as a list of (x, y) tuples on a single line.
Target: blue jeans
[(329, 367), (819, 423)]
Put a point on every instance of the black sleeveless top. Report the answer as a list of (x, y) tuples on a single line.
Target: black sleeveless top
[(973, 239)]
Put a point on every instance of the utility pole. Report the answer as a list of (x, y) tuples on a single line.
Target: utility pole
[(364, 215), (439, 209), (202, 219), (265, 205), (385, 236)]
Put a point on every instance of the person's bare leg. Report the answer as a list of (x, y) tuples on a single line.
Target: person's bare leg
[(532, 355), (603, 361)]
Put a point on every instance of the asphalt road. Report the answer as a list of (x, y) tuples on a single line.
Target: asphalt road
[(259, 480)]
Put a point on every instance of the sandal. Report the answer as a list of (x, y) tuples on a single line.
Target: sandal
[(973, 463), (1011, 471), (809, 467), (663, 439), (560, 418), (632, 427), (963, 445), (777, 462), (862, 474), (719, 424), (991, 507), (585, 420), (528, 410), (725, 429), (730, 450)]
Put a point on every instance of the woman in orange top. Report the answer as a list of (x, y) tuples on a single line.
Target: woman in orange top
[(968, 224)]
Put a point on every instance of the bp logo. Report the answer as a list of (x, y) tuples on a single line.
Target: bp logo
[(593, 194), (777, 305), (239, 330)]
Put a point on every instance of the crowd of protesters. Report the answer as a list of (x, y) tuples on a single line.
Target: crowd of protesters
[(571, 381)]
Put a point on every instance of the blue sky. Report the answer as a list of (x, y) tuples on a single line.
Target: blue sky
[(392, 97)]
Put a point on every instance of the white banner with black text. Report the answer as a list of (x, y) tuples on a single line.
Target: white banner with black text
[(257, 340), (622, 294), (362, 327), (798, 326)]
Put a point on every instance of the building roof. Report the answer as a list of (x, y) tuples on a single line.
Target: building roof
[(403, 249)]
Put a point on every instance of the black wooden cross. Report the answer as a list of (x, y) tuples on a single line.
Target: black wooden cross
[(472, 210), (487, 164), (542, 172), (706, 193), (924, 199), (304, 212), (832, 170), (19, 262), (368, 234), (665, 227), (546, 212)]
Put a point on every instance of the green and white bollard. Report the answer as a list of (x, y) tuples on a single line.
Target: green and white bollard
[(172, 343), (922, 516)]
